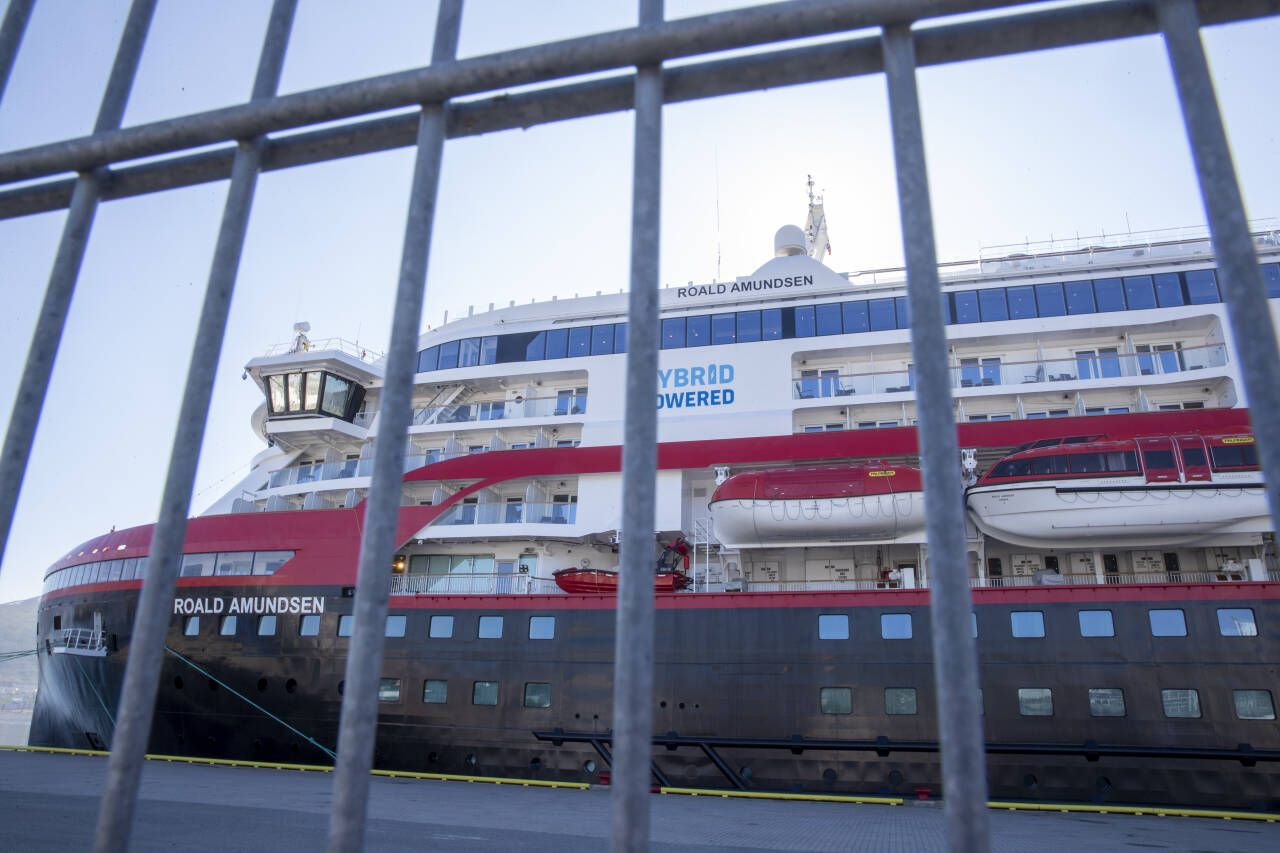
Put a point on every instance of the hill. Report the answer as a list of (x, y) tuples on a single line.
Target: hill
[(17, 634)]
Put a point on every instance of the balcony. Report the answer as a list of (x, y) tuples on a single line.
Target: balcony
[(82, 641), (1098, 363), (509, 513), (472, 584), (317, 471), (563, 404)]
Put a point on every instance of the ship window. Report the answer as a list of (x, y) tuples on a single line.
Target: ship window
[(602, 339), (537, 694), (833, 626), (275, 388), (267, 625), (904, 313), (490, 628), (722, 329), (1193, 457), (828, 319), (309, 625), (557, 343), (973, 617), (698, 331), (346, 623), (900, 700), (771, 324), (1157, 459), (337, 394), (1234, 456), (1237, 622), (1202, 287), (427, 359), (1271, 275), (804, 321), (468, 352), (396, 626), (1043, 465), (579, 341), (1027, 623), (311, 398), (1050, 300), (197, 565), (484, 693), (1139, 292), (267, 562), (1254, 704), (234, 563), (1096, 623), (489, 349), (435, 691), (1035, 701), (295, 391), (441, 627), (542, 627), (537, 347), (1167, 623), (748, 326), (448, 355), (191, 627), (882, 315), (620, 337), (835, 700), (1122, 460), (1181, 703), (992, 304), (673, 333), (388, 690), (967, 306), (854, 317), (1079, 297), (1110, 293), (1168, 286), (1106, 701), (895, 626), (1011, 468), (1086, 463), (1022, 302)]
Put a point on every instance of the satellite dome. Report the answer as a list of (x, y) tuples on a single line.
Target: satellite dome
[(789, 241)]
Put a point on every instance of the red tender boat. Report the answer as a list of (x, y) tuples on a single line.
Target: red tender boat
[(668, 578)]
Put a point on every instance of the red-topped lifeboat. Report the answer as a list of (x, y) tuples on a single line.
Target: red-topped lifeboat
[(869, 502)]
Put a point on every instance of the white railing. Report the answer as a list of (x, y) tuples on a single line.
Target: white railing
[(561, 405), (343, 345), (82, 641), (473, 584)]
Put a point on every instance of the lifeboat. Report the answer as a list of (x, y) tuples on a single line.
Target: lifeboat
[(865, 503), (1157, 491), (605, 582)]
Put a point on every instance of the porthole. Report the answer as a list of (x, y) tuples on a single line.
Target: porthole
[(829, 775), (291, 685), (535, 763), (746, 773), (177, 682), (472, 761), (895, 777), (433, 757), (681, 706), (662, 704), (1030, 782), (262, 686), (1104, 785), (589, 766)]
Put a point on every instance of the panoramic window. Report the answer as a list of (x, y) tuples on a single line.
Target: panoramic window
[(267, 562), (1254, 704), (836, 700), (833, 626), (1027, 623), (1096, 623), (1237, 622), (1167, 623), (1035, 701), (1181, 703), (440, 627), (388, 690), (484, 693), (234, 563), (895, 626), (542, 627), (537, 695), (435, 692), (900, 700), (1106, 701), (490, 628)]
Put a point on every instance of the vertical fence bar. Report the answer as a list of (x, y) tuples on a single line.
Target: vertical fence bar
[(34, 384), (1238, 272), (14, 25), (633, 637), (358, 726), (955, 660), (151, 622)]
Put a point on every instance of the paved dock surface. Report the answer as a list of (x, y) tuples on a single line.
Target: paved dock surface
[(50, 802)]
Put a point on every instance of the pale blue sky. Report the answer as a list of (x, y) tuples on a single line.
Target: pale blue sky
[(1027, 147)]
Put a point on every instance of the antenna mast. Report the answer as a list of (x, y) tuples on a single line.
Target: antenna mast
[(815, 228)]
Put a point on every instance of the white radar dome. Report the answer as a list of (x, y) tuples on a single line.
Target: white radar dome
[(789, 241)]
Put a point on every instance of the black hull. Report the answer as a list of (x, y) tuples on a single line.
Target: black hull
[(744, 669)]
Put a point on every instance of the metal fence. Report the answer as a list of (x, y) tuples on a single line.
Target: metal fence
[(894, 49)]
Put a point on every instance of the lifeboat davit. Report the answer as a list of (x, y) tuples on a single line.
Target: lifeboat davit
[(870, 502), (604, 582)]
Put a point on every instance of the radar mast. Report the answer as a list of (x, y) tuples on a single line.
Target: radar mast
[(815, 227)]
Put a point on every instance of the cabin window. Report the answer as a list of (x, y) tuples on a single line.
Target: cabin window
[(836, 700), (1048, 465), (234, 563), (1139, 292), (579, 341), (1169, 289), (1110, 294), (992, 304), (1027, 623), (1157, 459), (490, 628), (227, 626), (1011, 468), (267, 625), (673, 332), (537, 695), (197, 565), (1022, 302), (899, 700), (309, 625), (1193, 457), (191, 627), (722, 329), (833, 626), (440, 627), (828, 319), (1087, 463), (1202, 287), (395, 626), (484, 693), (1050, 300), (854, 316), (966, 302), (1234, 456), (1254, 704), (1122, 460), (1167, 623), (1096, 623), (1035, 701), (1079, 297), (542, 627), (268, 562), (602, 339), (771, 324), (557, 343), (1181, 703), (805, 323), (748, 326), (895, 626), (1106, 701), (435, 691), (388, 690), (346, 624), (1237, 622), (882, 315)]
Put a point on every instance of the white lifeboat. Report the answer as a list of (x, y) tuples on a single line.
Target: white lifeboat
[(864, 503)]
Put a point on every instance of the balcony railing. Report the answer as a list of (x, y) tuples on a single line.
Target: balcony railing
[(509, 513), (992, 372), (473, 584), (561, 405), (82, 641), (316, 471)]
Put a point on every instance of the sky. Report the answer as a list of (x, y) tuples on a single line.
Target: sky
[(1048, 145)]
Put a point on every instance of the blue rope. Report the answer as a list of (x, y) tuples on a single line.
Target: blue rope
[(210, 676)]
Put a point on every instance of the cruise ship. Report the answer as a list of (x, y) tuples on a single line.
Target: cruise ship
[(1123, 562)]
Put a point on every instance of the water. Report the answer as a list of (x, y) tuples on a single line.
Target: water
[(13, 727)]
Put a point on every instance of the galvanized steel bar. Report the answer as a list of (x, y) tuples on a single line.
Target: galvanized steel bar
[(16, 15), (151, 621), (358, 726), (29, 400), (955, 659), (1239, 275), (436, 84), (633, 637)]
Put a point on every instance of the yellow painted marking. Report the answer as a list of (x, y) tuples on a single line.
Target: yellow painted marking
[(881, 473), (766, 795), (1269, 817), (1238, 439)]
